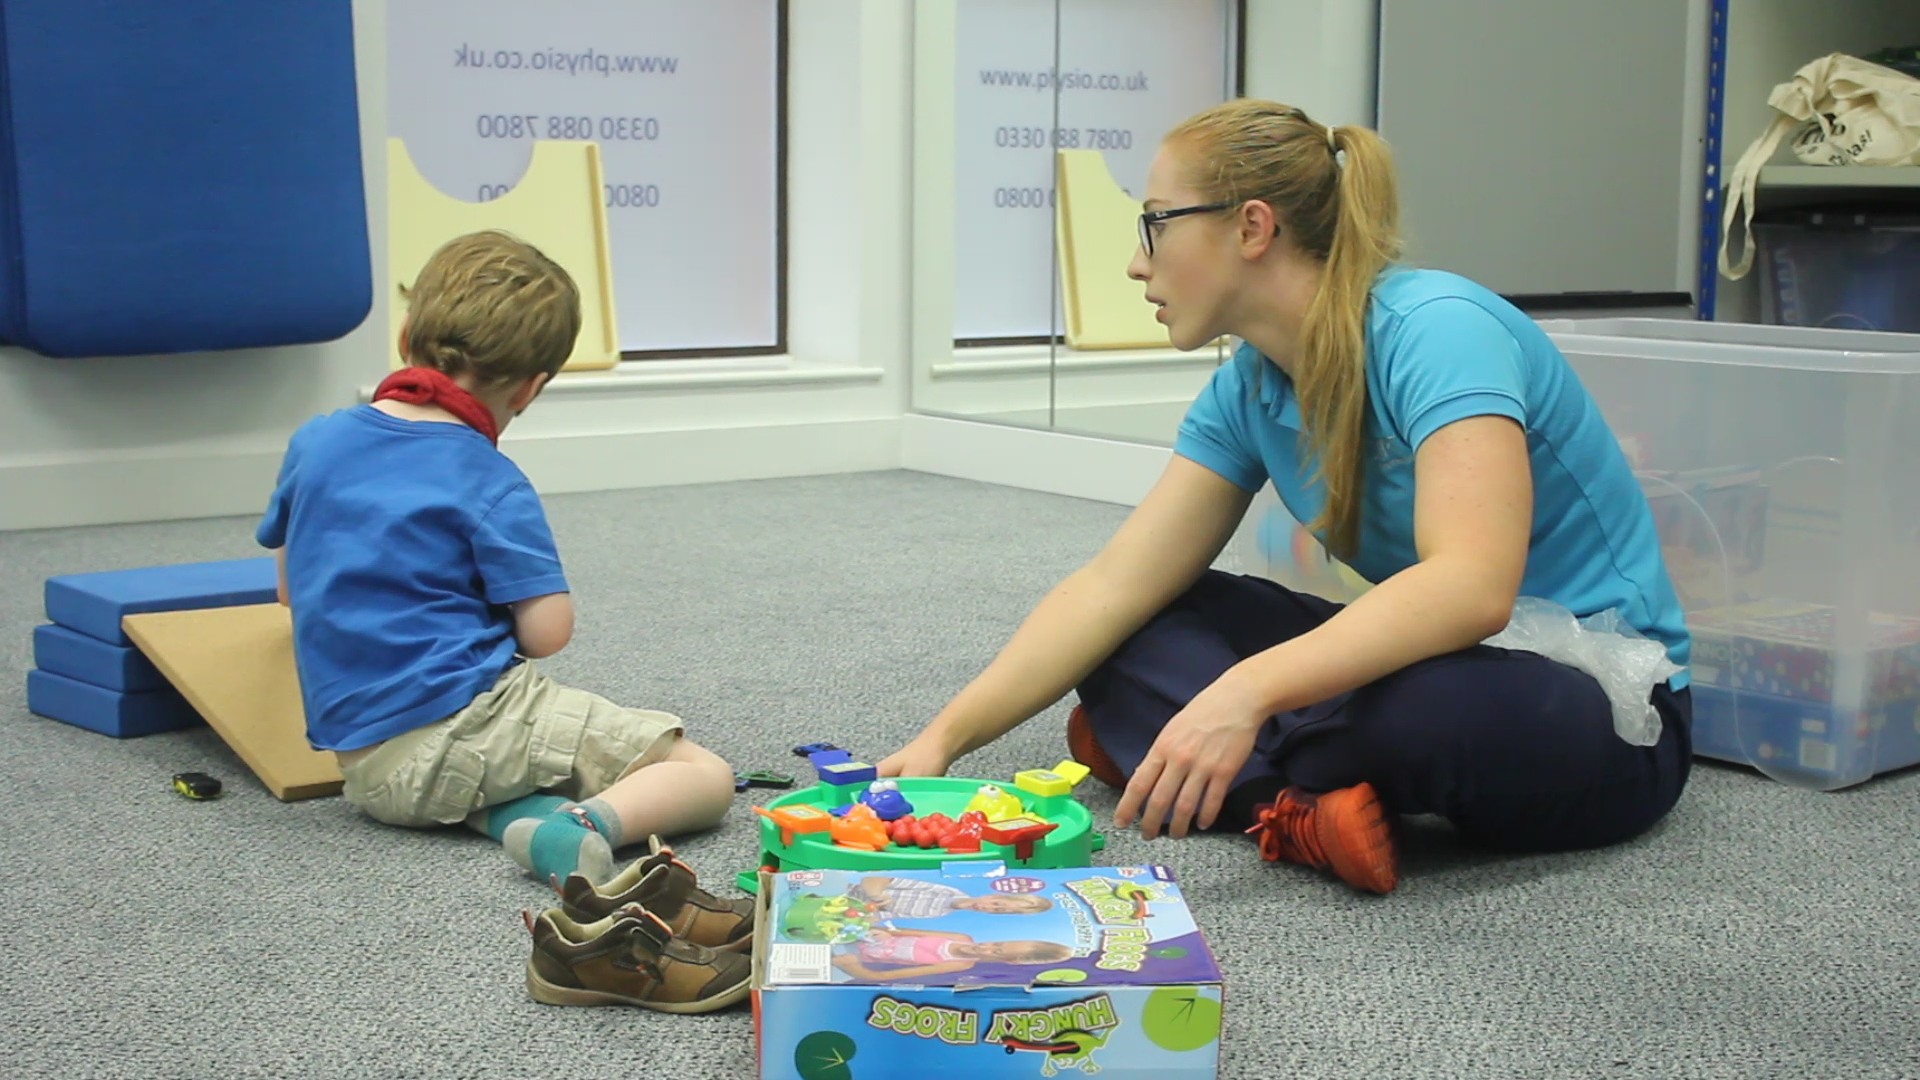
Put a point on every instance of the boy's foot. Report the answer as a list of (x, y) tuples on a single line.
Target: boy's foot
[(628, 958), (1085, 749), (1345, 831), (558, 845), (667, 888)]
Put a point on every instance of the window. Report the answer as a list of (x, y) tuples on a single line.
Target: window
[(686, 102)]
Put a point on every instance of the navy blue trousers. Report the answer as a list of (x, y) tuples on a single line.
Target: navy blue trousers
[(1518, 751)]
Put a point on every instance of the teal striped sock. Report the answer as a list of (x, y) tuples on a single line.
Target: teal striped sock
[(493, 820), (605, 821), (556, 845)]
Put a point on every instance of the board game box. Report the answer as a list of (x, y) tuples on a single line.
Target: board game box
[(1791, 650), (978, 971), (1810, 743)]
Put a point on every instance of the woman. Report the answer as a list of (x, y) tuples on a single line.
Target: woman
[(1436, 441)]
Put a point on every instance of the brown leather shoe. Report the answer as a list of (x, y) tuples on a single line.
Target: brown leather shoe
[(669, 889), (628, 958)]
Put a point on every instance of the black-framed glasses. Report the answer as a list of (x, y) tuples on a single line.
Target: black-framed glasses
[(1154, 217)]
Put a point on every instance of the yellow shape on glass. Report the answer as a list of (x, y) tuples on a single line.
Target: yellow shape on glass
[(1097, 229), (558, 207)]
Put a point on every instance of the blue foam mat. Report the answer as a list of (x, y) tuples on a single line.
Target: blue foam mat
[(61, 651), (109, 712), (180, 176), (94, 603)]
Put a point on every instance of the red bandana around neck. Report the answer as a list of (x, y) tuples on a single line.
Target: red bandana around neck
[(430, 386)]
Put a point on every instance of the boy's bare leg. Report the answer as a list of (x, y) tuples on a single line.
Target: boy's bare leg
[(688, 790)]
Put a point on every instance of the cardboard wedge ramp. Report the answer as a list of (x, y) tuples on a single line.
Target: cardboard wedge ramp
[(235, 666)]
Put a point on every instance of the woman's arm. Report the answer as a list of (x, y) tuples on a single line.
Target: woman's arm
[(1161, 549), (1473, 515)]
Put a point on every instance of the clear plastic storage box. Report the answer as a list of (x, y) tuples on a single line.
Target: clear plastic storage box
[(1783, 468)]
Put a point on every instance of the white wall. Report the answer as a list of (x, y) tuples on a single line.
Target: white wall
[(147, 438), (1316, 55)]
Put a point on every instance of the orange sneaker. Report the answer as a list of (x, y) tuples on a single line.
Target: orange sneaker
[(1345, 831), (1085, 749)]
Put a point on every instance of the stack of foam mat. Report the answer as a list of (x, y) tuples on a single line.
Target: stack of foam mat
[(89, 673), (139, 651)]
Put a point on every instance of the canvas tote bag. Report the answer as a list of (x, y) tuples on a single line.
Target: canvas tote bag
[(1843, 111)]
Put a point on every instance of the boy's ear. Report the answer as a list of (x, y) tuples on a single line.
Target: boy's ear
[(524, 394), (401, 344)]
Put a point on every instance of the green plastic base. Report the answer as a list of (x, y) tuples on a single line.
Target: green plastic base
[(1072, 844)]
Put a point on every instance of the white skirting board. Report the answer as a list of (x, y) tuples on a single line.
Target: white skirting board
[(606, 462), (235, 478), (1106, 470)]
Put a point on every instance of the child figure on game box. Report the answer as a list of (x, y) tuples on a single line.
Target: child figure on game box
[(919, 954), (910, 898)]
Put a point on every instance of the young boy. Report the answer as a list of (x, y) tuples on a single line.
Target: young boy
[(423, 582)]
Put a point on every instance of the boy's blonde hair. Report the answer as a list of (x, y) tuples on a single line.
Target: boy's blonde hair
[(492, 305), (1333, 189)]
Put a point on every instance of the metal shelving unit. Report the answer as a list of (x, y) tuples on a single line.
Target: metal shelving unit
[(1830, 176), (1707, 277), (1779, 186)]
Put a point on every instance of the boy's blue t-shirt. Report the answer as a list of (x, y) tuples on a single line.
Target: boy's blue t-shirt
[(1441, 348), (405, 542)]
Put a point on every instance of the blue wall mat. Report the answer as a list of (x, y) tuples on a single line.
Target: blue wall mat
[(93, 604), (179, 176), (123, 716), (61, 651)]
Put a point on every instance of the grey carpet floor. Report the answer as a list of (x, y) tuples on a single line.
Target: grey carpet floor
[(1761, 931)]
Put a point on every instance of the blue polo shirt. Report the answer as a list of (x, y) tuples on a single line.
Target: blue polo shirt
[(405, 541), (1439, 349)]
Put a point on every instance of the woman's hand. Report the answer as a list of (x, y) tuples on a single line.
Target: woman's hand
[(921, 757), (1193, 762)]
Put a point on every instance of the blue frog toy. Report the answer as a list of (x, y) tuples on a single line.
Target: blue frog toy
[(885, 798)]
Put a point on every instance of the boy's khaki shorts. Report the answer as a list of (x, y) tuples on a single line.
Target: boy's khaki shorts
[(528, 733)]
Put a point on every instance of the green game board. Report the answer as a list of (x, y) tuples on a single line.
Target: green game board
[(1071, 844)]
